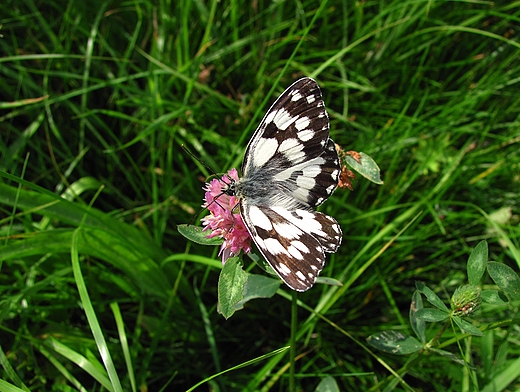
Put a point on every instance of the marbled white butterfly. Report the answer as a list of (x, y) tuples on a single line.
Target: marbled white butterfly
[(290, 167)]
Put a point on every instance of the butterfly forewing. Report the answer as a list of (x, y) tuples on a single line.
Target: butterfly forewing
[(290, 166)]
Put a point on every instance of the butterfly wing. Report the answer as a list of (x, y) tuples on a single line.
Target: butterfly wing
[(292, 242)]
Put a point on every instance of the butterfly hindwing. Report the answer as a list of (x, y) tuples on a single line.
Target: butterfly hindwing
[(293, 247)]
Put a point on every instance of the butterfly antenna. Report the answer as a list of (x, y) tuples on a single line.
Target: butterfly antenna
[(199, 160), (212, 174)]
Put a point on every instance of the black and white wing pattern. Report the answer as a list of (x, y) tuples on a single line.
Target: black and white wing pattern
[(290, 167)]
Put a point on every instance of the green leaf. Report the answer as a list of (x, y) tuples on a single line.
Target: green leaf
[(431, 296), (260, 261), (92, 317), (90, 366), (231, 286), (487, 352), (505, 278), (328, 384), (197, 235), (493, 297), (477, 263), (367, 167), (467, 327), (417, 324), (432, 315), (328, 281), (6, 387), (9, 373), (257, 286), (242, 365), (82, 185), (506, 378), (394, 342)]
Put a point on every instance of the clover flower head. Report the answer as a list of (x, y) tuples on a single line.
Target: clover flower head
[(466, 300), (222, 221)]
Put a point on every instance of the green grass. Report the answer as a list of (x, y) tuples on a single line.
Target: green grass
[(99, 291)]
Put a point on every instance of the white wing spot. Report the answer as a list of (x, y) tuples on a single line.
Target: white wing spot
[(287, 230), (269, 117), (263, 151), (305, 182), (309, 222), (284, 269), (301, 276), (283, 119), (311, 98), (312, 171), (274, 246), (290, 144), (302, 123), (330, 189), (282, 176), (292, 149), (305, 135), (296, 96), (300, 245), (295, 253), (259, 219)]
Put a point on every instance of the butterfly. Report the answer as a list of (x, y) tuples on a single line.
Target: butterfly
[(290, 167)]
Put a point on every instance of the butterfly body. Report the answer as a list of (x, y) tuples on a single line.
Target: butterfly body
[(290, 167)]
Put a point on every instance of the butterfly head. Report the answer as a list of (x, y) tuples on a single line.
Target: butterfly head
[(224, 219), (230, 189)]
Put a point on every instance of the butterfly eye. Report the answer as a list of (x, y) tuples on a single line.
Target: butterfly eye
[(229, 189)]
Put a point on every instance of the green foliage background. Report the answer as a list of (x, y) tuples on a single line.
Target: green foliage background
[(96, 99)]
